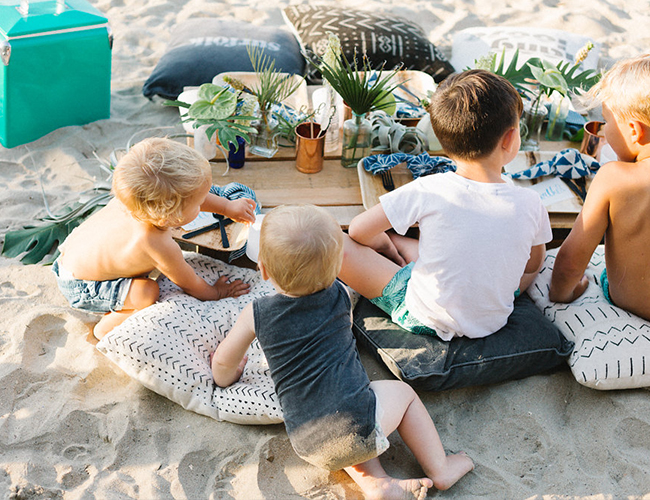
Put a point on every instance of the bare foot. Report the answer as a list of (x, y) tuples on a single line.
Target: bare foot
[(389, 488), (109, 321), (457, 466), (91, 334)]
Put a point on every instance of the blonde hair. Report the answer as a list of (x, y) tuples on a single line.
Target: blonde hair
[(301, 248), (625, 88), (156, 176)]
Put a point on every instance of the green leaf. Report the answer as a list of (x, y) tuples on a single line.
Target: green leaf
[(179, 104), (214, 103), (386, 103), (36, 241)]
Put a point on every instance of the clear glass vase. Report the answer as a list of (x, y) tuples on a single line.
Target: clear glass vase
[(557, 117), (264, 141), (530, 125), (356, 140)]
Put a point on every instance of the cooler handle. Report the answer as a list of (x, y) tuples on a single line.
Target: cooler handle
[(24, 7)]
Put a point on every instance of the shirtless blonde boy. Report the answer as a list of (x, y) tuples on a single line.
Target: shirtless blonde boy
[(618, 200), (158, 185), (335, 417)]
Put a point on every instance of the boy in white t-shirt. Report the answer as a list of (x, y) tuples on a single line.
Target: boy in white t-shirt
[(482, 239)]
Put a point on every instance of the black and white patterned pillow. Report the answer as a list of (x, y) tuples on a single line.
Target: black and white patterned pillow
[(384, 38), (612, 346), (166, 347)]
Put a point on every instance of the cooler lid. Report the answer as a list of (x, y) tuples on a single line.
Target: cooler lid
[(46, 16)]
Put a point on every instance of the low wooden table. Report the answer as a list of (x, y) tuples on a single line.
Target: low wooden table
[(344, 192), (276, 181)]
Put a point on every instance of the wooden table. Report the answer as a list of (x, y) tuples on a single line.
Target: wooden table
[(344, 192), (276, 181)]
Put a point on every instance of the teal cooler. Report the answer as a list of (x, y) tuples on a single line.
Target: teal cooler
[(55, 70)]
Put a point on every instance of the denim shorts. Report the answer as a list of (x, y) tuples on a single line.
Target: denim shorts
[(392, 302), (93, 296)]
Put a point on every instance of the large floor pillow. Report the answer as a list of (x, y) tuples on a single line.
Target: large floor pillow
[(201, 48), (166, 347), (612, 346), (386, 40), (529, 344)]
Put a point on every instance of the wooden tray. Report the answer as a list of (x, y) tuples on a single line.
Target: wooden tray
[(237, 237), (372, 187)]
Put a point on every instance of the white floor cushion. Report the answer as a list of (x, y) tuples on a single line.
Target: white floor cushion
[(166, 347), (612, 346)]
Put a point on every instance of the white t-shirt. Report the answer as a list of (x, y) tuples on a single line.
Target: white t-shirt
[(475, 241)]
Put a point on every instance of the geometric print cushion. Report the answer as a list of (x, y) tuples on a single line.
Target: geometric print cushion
[(612, 346), (166, 347), (384, 38)]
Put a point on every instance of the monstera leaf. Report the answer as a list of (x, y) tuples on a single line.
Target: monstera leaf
[(37, 241)]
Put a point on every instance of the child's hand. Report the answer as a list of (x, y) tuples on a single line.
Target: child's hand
[(222, 376), (577, 291), (240, 369), (230, 289), (580, 288), (241, 210)]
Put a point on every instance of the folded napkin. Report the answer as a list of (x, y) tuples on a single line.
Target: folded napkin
[(419, 165), (568, 163), (234, 191)]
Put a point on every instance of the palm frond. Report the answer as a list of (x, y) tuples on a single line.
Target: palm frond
[(273, 86)]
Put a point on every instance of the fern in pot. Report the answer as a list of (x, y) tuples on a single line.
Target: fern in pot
[(363, 91)]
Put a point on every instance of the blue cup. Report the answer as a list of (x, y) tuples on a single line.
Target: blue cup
[(237, 157)]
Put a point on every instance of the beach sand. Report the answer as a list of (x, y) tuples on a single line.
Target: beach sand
[(74, 426)]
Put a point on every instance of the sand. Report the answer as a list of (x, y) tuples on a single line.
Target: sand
[(74, 426)]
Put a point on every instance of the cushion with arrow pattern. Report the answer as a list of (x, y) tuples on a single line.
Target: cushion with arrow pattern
[(167, 348)]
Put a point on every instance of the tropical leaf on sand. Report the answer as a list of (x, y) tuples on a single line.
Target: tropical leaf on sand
[(38, 241)]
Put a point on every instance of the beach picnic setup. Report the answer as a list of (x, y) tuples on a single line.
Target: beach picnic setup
[(240, 249)]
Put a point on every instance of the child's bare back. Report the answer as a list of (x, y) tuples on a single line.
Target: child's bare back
[(110, 244), (618, 201)]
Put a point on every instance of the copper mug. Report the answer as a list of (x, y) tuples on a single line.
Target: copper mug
[(593, 139), (310, 147)]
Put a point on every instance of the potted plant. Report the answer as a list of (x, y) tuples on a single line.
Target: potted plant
[(271, 88), (218, 109), (538, 80), (363, 91)]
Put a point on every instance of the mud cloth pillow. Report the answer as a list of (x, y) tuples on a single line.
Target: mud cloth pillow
[(383, 37), (200, 49), (529, 344), (612, 346), (166, 348)]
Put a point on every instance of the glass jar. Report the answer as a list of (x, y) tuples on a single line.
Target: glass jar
[(530, 125), (264, 141), (356, 140), (557, 117)]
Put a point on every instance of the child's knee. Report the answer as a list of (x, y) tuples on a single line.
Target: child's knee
[(144, 292)]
